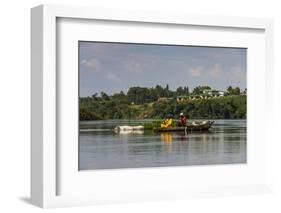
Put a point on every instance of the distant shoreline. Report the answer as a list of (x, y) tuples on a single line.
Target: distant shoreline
[(228, 107)]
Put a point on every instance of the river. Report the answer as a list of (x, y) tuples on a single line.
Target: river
[(102, 148)]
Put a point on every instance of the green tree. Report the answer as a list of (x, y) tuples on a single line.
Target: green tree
[(233, 91), (199, 89), (104, 96), (180, 91), (186, 90)]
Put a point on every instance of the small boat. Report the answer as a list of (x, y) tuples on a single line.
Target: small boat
[(191, 126), (128, 128)]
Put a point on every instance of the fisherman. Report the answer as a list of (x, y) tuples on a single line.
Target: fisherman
[(182, 120), (168, 121)]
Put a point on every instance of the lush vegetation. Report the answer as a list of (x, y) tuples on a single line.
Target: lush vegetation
[(140, 102)]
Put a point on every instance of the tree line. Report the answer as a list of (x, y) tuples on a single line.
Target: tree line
[(141, 95), (141, 102)]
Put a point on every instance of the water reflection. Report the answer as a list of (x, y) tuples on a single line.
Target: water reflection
[(133, 132), (225, 143), (166, 137)]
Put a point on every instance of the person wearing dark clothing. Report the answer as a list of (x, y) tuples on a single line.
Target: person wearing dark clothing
[(182, 120)]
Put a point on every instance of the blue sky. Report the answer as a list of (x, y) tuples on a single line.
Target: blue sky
[(112, 67)]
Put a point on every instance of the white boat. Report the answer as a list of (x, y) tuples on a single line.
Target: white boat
[(121, 129)]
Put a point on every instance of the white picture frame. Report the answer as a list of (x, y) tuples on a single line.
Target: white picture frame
[(45, 168)]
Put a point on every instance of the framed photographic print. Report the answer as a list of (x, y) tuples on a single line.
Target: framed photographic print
[(132, 106), (136, 110)]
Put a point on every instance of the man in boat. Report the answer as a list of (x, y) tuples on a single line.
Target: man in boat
[(182, 120), (168, 122)]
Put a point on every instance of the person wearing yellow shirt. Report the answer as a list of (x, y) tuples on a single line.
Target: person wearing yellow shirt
[(168, 122)]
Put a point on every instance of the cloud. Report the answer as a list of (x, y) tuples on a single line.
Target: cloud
[(237, 73), (216, 71), (195, 71), (139, 63), (112, 77), (93, 63), (134, 66)]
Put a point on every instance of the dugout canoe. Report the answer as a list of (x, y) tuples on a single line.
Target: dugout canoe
[(193, 126)]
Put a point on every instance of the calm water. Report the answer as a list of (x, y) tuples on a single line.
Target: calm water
[(101, 148)]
